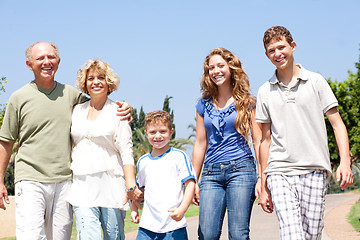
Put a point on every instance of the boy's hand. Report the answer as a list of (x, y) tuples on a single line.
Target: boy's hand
[(265, 201), (135, 216), (344, 173), (124, 111), (176, 214), (196, 198)]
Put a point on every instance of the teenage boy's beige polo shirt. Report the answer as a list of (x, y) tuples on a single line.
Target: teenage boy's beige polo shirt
[(299, 142)]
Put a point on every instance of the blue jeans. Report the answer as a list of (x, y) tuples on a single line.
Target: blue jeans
[(227, 185), (90, 221), (178, 234)]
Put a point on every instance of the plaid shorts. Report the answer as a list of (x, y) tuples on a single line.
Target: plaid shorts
[(299, 203)]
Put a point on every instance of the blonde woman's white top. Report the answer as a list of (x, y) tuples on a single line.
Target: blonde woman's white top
[(101, 148)]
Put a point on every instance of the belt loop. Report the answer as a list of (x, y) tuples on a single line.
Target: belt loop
[(210, 167)]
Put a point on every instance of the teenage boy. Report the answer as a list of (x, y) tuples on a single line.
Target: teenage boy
[(294, 155), (164, 173)]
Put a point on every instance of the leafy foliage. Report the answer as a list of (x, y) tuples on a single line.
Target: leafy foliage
[(348, 96), (9, 174)]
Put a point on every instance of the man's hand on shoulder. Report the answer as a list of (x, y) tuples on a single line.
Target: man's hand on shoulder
[(124, 111)]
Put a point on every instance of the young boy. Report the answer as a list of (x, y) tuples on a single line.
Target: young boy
[(294, 155), (164, 173)]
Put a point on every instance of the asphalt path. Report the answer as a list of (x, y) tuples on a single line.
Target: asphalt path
[(264, 226)]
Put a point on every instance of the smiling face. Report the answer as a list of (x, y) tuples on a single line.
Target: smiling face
[(280, 53), (43, 62), (96, 84), (219, 71), (159, 135)]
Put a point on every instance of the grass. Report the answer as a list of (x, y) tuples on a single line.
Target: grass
[(129, 226), (354, 216)]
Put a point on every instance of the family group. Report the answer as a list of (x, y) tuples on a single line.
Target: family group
[(75, 152)]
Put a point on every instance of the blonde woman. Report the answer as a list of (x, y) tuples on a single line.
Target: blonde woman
[(102, 157), (225, 119)]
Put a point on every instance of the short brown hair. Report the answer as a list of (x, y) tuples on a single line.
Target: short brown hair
[(277, 33), (158, 116)]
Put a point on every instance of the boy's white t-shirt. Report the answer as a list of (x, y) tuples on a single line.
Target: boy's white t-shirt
[(163, 178)]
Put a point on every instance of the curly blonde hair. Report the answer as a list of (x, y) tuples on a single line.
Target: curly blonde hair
[(101, 67), (244, 102)]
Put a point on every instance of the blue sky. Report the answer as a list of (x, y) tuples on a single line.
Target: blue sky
[(158, 47)]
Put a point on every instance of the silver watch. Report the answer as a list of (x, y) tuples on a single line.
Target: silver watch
[(131, 189)]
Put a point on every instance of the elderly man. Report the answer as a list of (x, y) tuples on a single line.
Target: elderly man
[(38, 115)]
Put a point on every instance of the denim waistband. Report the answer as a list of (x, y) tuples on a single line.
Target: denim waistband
[(210, 166)]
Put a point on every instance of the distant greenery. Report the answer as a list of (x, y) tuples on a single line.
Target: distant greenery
[(347, 93), (354, 216)]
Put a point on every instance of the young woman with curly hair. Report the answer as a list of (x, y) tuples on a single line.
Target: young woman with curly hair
[(225, 120)]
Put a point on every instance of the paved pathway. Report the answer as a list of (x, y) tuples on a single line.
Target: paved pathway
[(265, 226)]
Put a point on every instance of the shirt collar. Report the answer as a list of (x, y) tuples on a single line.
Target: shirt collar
[(304, 75)]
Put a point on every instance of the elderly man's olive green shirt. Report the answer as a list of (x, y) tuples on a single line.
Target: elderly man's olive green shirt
[(40, 119)]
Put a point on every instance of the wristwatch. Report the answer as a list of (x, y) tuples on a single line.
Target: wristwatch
[(131, 189)]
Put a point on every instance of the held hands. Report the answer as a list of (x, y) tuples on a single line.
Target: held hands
[(3, 196), (124, 111), (196, 198), (176, 214), (135, 196), (135, 216), (265, 201), (344, 173)]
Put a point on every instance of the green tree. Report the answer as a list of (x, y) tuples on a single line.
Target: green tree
[(9, 174), (348, 96), (166, 107), (2, 89)]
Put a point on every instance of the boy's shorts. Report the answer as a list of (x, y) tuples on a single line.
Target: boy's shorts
[(178, 234)]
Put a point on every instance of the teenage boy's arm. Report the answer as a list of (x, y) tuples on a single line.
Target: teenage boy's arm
[(199, 151), (256, 137), (178, 213), (265, 197), (5, 153), (344, 170)]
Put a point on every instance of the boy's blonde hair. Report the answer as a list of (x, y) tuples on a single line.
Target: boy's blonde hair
[(277, 33), (158, 116), (101, 67)]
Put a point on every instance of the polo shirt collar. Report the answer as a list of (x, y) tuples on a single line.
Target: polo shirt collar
[(304, 75)]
